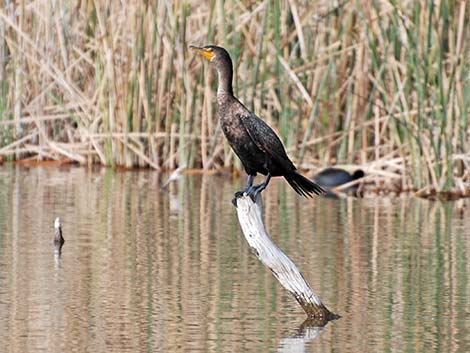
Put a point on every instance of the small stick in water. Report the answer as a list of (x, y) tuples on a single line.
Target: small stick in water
[(58, 239), (175, 175)]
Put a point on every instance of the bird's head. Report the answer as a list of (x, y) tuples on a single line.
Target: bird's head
[(212, 53), (220, 58)]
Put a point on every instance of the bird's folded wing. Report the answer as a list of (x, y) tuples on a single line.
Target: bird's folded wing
[(266, 139)]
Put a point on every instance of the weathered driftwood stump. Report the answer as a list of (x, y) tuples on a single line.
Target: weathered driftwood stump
[(285, 271)]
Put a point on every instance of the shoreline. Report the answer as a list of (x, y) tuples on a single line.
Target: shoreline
[(369, 186)]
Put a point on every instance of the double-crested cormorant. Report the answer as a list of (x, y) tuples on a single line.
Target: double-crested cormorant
[(255, 143)]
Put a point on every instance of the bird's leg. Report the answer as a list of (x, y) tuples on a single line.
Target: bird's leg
[(249, 182), (248, 189), (256, 189)]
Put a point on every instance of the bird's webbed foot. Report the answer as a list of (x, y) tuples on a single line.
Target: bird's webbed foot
[(253, 190), (247, 190)]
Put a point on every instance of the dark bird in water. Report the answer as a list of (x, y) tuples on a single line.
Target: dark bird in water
[(332, 177), (254, 142), (58, 239)]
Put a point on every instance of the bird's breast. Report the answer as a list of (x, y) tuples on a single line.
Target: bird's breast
[(233, 129)]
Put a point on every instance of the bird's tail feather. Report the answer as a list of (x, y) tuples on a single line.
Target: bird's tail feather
[(303, 186)]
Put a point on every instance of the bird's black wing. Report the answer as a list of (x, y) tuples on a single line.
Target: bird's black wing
[(266, 139)]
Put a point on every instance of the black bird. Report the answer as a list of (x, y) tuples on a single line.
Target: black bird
[(254, 142), (332, 177)]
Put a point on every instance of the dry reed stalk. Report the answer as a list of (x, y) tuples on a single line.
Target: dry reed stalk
[(297, 82), (19, 142)]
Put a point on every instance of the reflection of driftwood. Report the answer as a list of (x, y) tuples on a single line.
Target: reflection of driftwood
[(307, 332), (250, 218)]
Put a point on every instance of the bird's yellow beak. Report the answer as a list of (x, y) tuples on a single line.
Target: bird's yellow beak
[(207, 53)]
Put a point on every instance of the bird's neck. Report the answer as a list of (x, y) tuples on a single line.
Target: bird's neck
[(225, 73)]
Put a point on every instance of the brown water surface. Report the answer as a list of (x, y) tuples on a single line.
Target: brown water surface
[(146, 270)]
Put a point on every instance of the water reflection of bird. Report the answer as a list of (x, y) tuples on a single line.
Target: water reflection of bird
[(58, 239), (333, 177), (255, 143)]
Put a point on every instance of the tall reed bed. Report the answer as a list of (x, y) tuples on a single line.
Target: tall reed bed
[(383, 84)]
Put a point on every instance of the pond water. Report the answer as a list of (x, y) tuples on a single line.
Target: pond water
[(146, 270)]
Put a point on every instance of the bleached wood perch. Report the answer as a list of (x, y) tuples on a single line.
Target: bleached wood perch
[(285, 271)]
